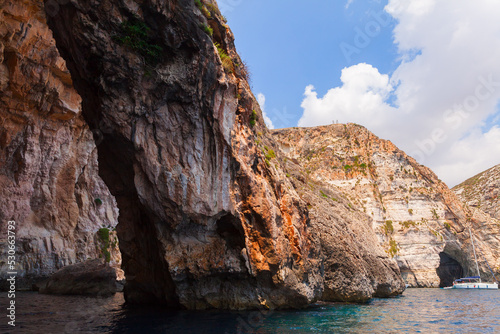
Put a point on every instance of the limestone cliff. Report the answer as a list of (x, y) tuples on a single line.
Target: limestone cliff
[(49, 182), (418, 220), (482, 191), (208, 218)]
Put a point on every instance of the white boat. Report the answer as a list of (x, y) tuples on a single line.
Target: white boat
[(473, 282)]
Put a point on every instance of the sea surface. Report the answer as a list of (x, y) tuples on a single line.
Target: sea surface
[(417, 311)]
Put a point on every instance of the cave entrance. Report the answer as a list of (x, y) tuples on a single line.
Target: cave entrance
[(449, 269), (229, 228)]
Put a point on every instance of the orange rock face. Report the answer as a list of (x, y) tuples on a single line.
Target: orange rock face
[(48, 163), (418, 220)]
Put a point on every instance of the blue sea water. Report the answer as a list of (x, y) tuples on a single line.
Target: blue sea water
[(417, 311)]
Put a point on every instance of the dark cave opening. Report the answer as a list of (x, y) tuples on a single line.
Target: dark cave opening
[(229, 228), (449, 269), (148, 280)]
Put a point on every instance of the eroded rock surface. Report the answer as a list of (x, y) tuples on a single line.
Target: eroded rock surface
[(90, 278), (49, 182), (482, 191), (208, 217), (355, 266), (418, 220)]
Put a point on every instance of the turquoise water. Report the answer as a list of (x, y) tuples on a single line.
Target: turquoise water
[(417, 311)]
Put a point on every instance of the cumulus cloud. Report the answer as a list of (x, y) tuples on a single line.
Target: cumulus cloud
[(443, 92), (362, 96), (482, 147), (261, 98)]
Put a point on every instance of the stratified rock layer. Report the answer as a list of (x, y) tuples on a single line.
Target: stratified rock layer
[(208, 218), (418, 220), (482, 191), (355, 267), (49, 184)]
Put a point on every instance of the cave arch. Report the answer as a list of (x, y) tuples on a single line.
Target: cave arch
[(449, 269)]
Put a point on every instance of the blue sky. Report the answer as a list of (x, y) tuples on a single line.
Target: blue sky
[(424, 74), (289, 45)]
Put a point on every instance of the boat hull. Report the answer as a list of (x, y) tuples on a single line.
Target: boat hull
[(488, 286)]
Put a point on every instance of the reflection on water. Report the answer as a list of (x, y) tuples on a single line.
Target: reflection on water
[(419, 310), (37, 313)]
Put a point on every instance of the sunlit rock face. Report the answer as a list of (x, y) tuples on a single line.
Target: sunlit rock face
[(49, 182), (203, 222), (208, 216), (482, 191), (415, 215)]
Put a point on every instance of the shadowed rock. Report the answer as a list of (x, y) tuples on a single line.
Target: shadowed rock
[(49, 181), (90, 278)]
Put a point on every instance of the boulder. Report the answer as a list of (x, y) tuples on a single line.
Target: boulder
[(91, 278)]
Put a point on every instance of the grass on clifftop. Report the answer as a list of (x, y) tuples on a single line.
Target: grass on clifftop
[(209, 31), (408, 224)]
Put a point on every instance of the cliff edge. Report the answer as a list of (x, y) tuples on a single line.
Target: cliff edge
[(482, 191)]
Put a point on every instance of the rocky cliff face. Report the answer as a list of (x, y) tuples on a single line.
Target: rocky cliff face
[(355, 266), (49, 182), (418, 220), (215, 210), (482, 191), (208, 217)]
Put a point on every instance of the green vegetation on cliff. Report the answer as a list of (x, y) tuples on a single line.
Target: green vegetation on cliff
[(103, 234), (136, 35)]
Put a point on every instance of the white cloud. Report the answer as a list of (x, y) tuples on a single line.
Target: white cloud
[(349, 2), (484, 148), (447, 84), (261, 98), (400, 8), (362, 96)]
